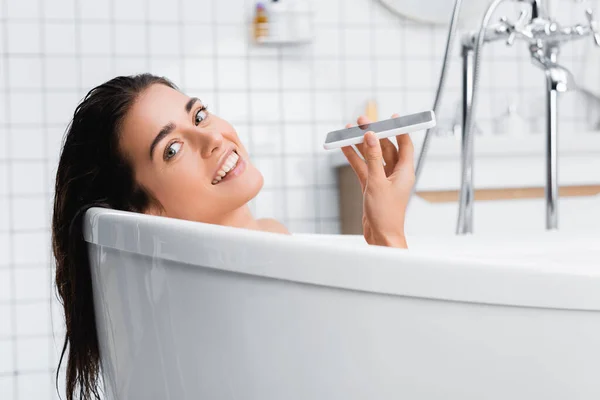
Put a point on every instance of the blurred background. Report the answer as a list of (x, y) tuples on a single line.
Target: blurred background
[(353, 57)]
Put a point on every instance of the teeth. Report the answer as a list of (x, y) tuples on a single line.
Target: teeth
[(229, 164)]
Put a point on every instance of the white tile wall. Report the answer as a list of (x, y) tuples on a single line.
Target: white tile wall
[(32, 283), (5, 285), (7, 386), (5, 247), (27, 144), (6, 358), (34, 385), (272, 170), (23, 37), (61, 9), (281, 101), (266, 138), (298, 139), (33, 354), (4, 214), (94, 10)]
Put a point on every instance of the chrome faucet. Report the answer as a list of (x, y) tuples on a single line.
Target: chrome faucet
[(544, 36)]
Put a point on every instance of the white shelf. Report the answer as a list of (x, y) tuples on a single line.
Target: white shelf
[(283, 42), (299, 26)]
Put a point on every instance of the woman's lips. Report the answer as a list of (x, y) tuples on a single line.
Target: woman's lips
[(236, 171)]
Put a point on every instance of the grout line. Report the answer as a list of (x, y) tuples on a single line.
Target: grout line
[(215, 58), (29, 372), (372, 59), (26, 372), (78, 46), (146, 24), (313, 124), (11, 240), (281, 124), (31, 301), (47, 173), (388, 89), (22, 266), (233, 57), (132, 22), (181, 31), (403, 63), (342, 59), (250, 117), (21, 125), (113, 38)]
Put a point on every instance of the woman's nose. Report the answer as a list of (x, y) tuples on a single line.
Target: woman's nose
[(209, 141)]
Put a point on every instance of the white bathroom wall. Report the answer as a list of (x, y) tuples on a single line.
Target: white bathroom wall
[(281, 100)]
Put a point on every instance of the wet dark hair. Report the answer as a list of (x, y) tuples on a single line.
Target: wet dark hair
[(91, 172)]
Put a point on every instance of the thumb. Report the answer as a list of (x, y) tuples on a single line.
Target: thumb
[(373, 157)]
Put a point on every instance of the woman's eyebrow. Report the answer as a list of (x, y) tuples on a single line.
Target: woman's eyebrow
[(163, 132), (190, 104)]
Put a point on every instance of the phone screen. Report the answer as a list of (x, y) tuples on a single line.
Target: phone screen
[(379, 126)]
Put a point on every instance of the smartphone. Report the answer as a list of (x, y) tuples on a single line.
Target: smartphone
[(383, 129)]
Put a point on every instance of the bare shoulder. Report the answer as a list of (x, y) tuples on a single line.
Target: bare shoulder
[(272, 225)]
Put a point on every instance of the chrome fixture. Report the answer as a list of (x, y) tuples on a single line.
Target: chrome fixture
[(544, 36)]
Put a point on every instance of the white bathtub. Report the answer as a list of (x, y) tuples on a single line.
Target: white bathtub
[(194, 311)]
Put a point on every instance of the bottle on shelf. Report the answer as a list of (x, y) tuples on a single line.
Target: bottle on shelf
[(261, 23)]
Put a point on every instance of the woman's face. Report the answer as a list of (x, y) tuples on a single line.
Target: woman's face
[(190, 161)]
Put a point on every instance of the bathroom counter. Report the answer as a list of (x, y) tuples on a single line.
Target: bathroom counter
[(505, 161)]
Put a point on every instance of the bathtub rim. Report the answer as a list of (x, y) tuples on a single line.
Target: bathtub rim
[(420, 275)]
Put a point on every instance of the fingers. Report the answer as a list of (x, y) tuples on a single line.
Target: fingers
[(384, 153), (374, 158), (362, 120), (404, 142), (390, 155), (398, 137), (357, 164), (404, 172), (405, 151)]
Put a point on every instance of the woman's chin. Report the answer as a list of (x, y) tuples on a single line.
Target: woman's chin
[(244, 187), (255, 183)]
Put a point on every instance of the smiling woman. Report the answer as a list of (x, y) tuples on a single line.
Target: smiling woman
[(137, 143)]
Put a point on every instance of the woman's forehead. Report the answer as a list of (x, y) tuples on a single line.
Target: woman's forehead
[(156, 106), (160, 96)]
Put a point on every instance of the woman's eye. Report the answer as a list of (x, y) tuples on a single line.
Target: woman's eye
[(172, 150), (200, 116)]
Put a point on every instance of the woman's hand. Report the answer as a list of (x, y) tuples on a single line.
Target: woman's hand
[(386, 190)]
